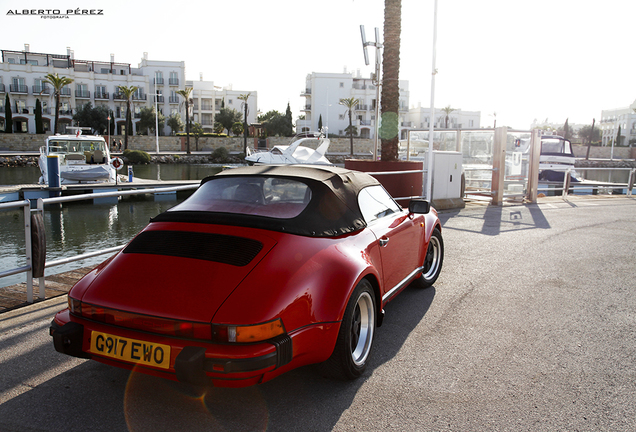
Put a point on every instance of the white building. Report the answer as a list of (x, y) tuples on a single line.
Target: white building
[(208, 100), (419, 118), (22, 75), (323, 92), (611, 119)]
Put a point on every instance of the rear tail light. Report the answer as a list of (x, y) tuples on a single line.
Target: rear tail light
[(166, 326), (247, 333), (185, 329)]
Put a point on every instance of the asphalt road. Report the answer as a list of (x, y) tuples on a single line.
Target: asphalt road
[(531, 327)]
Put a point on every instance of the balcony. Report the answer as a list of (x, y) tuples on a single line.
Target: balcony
[(173, 81), (82, 94), (306, 92), (362, 107), (66, 112), (65, 91), (41, 90), (173, 99), (102, 95), (18, 88), (119, 96), (159, 99), (158, 81), (306, 108), (139, 97), (2, 88)]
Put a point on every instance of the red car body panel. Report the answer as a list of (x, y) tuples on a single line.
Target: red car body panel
[(304, 281)]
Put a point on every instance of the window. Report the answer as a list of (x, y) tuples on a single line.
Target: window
[(20, 107), (271, 197), (376, 203), (341, 85)]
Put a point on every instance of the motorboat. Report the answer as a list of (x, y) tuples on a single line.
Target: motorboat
[(294, 153), (82, 158), (556, 158)]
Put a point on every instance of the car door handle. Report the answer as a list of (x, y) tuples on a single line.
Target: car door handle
[(384, 241)]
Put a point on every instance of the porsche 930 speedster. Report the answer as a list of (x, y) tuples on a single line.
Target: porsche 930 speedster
[(261, 270)]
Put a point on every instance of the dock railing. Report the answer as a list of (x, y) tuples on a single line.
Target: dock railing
[(569, 186), (29, 222)]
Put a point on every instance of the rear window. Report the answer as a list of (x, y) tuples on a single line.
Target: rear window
[(259, 196)]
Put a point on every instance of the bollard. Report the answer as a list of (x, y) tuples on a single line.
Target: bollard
[(53, 174), (130, 174)]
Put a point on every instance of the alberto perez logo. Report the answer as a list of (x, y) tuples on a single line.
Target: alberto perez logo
[(55, 13)]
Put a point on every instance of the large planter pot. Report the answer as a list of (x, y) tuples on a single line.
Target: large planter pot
[(398, 185)]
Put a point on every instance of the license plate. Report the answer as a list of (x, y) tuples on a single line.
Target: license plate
[(130, 350)]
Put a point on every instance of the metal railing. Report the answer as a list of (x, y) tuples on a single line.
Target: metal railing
[(26, 206), (569, 186)]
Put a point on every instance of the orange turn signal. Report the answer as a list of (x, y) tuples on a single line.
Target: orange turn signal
[(256, 333)]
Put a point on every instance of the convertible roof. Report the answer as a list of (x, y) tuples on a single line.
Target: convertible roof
[(332, 211), (340, 180)]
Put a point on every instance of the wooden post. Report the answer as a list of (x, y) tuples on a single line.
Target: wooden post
[(498, 165)]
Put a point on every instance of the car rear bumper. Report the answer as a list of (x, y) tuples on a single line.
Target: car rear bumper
[(199, 363)]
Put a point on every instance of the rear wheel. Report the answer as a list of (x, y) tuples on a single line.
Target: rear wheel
[(433, 260), (355, 338)]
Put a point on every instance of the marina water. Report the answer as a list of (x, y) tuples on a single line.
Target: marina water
[(81, 227)]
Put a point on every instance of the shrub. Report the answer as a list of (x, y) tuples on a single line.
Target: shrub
[(220, 155), (137, 156)]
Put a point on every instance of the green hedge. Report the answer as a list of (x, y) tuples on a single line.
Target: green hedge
[(137, 156), (213, 135)]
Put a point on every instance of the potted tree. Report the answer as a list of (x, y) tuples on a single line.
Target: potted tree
[(398, 185)]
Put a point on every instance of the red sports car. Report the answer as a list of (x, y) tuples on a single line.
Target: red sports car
[(262, 270)]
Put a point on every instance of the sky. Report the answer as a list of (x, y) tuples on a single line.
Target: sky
[(513, 60)]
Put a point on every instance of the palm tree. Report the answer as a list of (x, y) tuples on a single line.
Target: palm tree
[(350, 103), (58, 83), (128, 92), (186, 96), (448, 110), (390, 83), (244, 98)]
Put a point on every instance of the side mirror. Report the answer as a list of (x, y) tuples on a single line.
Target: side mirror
[(419, 206)]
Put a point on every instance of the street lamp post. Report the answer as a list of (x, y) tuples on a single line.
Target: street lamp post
[(429, 157)]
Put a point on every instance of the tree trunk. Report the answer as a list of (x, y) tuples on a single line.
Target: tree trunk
[(390, 114), (350, 132), (128, 124), (57, 111), (187, 127)]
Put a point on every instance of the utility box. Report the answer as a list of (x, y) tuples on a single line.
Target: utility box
[(447, 180)]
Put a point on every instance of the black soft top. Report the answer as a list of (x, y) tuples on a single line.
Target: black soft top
[(333, 209)]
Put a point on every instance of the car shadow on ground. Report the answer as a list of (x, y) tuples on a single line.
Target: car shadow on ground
[(97, 397), (495, 220)]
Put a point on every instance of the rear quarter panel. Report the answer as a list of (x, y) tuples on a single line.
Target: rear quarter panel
[(303, 280)]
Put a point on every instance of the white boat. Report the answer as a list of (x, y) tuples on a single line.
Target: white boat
[(295, 153), (556, 158), (82, 159)]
